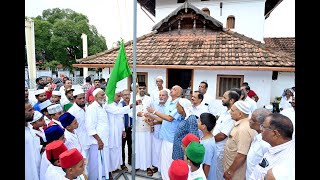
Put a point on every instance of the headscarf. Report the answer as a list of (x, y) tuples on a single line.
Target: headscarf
[(186, 104)]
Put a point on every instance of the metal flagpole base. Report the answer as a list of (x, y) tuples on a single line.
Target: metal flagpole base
[(124, 174)]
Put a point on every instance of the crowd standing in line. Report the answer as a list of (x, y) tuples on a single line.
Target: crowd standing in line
[(75, 134)]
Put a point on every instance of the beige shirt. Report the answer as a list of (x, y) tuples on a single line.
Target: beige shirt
[(239, 141)]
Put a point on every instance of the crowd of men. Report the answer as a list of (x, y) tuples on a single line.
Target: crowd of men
[(76, 134)]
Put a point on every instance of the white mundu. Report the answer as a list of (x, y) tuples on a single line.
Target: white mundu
[(97, 123), (115, 116)]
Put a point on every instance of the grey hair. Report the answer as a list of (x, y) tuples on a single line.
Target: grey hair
[(261, 114), (165, 92)]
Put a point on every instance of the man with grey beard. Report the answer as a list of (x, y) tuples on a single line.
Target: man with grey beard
[(78, 110), (98, 127), (32, 147)]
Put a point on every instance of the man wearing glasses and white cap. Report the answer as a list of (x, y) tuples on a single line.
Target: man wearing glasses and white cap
[(155, 93)]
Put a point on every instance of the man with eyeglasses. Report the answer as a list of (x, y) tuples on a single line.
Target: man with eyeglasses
[(238, 143), (258, 146), (277, 130)]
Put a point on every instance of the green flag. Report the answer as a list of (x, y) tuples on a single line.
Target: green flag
[(120, 71)]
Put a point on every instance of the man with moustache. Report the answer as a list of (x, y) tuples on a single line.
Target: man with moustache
[(32, 147), (41, 97), (78, 110), (98, 128), (224, 125)]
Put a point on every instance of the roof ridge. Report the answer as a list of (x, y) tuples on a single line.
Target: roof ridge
[(114, 48)]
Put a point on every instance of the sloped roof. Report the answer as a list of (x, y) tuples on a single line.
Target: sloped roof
[(200, 46), (286, 44)]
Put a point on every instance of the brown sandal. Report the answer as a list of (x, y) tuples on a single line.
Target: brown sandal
[(149, 172)]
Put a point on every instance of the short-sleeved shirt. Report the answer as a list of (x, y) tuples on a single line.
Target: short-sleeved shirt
[(210, 157), (169, 128), (239, 141), (189, 125), (251, 93)]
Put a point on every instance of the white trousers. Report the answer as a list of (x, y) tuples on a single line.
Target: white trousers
[(98, 163), (165, 158)]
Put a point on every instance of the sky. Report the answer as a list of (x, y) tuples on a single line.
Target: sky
[(280, 23)]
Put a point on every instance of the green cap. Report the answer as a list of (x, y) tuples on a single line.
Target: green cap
[(195, 152)]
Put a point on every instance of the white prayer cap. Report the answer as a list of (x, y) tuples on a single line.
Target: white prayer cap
[(160, 77), (57, 93), (39, 91), (269, 107), (77, 92), (44, 104), (95, 92), (46, 88), (36, 116), (54, 108), (243, 106), (118, 90)]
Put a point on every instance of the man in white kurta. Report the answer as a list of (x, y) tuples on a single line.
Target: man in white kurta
[(116, 112), (97, 124), (142, 134), (78, 111), (155, 93), (32, 148)]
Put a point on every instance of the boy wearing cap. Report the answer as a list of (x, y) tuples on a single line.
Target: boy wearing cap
[(37, 123), (41, 96), (53, 150), (178, 170), (194, 156), (187, 140), (55, 111), (206, 124), (53, 132), (70, 99), (44, 110), (56, 97), (73, 164)]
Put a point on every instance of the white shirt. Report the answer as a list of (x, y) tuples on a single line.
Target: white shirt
[(285, 170), (284, 103), (72, 141), (115, 113), (32, 155), (81, 131), (45, 163), (196, 174), (198, 110), (224, 124), (53, 172), (214, 106), (274, 155), (97, 122), (257, 149), (291, 114), (252, 103)]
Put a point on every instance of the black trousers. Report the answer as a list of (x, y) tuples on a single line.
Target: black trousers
[(128, 139)]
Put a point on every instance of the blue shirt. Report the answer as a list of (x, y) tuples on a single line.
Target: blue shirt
[(160, 108), (185, 126), (210, 157), (168, 128), (126, 117), (36, 107)]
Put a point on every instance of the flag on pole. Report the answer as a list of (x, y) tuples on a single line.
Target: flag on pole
[(121, 70)]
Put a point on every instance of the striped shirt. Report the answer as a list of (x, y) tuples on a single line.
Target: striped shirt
[(274, 156)]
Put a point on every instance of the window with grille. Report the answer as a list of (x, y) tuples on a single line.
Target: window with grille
[(230, 22), (226, 82), (141, 77)]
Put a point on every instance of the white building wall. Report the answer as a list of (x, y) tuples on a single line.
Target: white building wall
[(285, 80), (249, 14), (259, 81)]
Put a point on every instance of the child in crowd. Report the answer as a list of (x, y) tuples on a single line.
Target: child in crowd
[(194, 156), (73, 164), (53, 150), (178, 170)]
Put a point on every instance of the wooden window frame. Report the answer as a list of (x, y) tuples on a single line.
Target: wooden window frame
[(219, 76), (138, 74)]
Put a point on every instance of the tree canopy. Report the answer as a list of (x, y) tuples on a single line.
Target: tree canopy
[(58, 37)]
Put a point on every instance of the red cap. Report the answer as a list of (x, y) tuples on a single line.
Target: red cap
[(70, 158), (54, 149), (188, 138), (91, 98), (178, 170)]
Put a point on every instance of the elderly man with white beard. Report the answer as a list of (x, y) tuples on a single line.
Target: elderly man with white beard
[(115, 112), (98, 128)]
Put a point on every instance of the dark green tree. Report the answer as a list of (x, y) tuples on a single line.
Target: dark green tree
[(58, 37)]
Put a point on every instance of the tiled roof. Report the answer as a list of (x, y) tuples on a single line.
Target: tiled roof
[(286, 44), (206, 49), (197, 40)]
